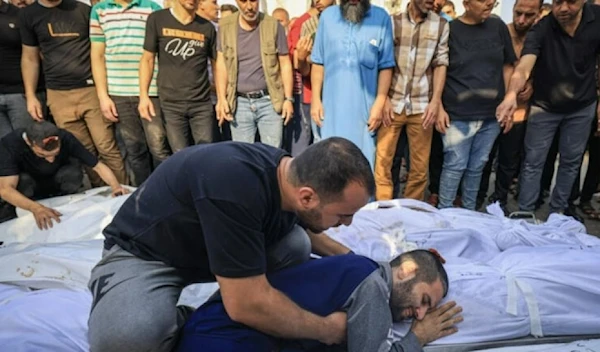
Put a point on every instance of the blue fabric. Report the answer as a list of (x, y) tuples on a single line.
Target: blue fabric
[(352, 55), (253, 114), (320, 286), (467, 146)]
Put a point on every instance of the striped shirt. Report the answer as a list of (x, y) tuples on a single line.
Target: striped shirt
[(122, 29), (418, 47)]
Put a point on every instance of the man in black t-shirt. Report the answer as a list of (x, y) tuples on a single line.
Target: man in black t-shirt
[(227, 211), (560, 52), (43, 161), (13, 106), (58, 31), (183, 42)]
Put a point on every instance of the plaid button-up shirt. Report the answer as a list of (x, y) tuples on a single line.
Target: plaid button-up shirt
[(418, 47)]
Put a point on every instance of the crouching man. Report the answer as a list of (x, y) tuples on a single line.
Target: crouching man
[(44, 161), (373, 295)]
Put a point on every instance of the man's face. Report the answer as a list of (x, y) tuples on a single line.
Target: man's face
[(437, 5), (354, 10), (424, 6), (566, 11), (282, 17), (525, 14), (479, 9), (412, 300), (248, 9), (210, 8), (321, 5), (189, 5), (49, 156), (449, 10), (333, 214), (21, 3)]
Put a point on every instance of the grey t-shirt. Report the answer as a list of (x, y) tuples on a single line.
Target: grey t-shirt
[(251, 76), (369, 306)]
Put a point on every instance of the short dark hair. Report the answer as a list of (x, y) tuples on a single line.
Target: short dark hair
[(230, 8), (449, 3), (44, 135), (329, 165), (546, 6), (430, 267), (541, 3)]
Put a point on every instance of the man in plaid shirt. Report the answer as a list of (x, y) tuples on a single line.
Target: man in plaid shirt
[(421, 51)]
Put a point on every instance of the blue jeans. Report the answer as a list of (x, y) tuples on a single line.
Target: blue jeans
[(467, 146), (13, 112), (253, 114), (541, 128)]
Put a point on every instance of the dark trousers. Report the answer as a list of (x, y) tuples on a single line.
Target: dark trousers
[(67, 180), (188, 123), (143, 144), (297, 134), (507, 152), (541, 129), (592, 177), (402, 151), (436, 162)]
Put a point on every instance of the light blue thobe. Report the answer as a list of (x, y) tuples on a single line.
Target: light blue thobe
[(352, 56)]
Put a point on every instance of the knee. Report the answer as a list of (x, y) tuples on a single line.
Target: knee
[(69, 179)]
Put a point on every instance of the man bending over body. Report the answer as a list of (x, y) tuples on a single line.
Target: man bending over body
[(44, 161), (225, 211), (373, 295)]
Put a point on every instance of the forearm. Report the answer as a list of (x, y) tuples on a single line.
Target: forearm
[(30, 70), (99, 74), (507, 72), (326, 246), (278, 316), (384, 81), (287, 76), (303, 66), (16, 198), (107, 175), (221, 80), (146, 71), (439, 81), (316, 80)]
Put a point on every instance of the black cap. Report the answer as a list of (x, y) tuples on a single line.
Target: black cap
[(43, 134)]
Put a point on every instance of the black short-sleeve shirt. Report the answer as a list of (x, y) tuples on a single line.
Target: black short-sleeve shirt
[(207, 210), (11, 81), (62, 34), (475, 79), (183, 51), (564, 76), (17, 157)]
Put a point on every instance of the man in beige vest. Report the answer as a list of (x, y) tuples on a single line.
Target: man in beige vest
[(254, 83)]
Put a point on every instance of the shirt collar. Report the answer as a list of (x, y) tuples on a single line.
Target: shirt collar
[(132, 4), (4, 7)]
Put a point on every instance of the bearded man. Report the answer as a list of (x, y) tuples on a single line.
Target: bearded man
[(353, 57), (374, 295)]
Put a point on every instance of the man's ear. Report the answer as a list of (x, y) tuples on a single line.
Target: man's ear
[(407, 271), (307, 197)]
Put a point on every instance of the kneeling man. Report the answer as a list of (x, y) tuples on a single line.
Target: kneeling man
[(44, 161), (373, 295)]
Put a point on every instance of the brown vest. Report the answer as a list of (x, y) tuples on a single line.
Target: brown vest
[(228, 30)]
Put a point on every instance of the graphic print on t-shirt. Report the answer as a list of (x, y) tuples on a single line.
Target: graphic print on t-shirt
[(184, 44), (62, 29)]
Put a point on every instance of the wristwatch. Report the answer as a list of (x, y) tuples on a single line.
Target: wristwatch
[(291, 99)]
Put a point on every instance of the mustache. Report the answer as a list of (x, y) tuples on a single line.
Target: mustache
[(355, 13)]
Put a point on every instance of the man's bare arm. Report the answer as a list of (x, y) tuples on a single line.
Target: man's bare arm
[(30, 68), (146, 72), (520, 75), (9, 192), (317, 73), (507, 72), (325, 246), (287, 74), (98, 59), (254, 302)]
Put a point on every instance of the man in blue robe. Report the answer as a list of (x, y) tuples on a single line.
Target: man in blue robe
[(373, 295), (353, 58)]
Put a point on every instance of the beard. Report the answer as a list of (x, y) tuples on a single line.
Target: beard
[(355, 13), (400, 300), (311, 219)]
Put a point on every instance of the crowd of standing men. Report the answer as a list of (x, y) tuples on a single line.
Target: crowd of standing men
[(134, 83)]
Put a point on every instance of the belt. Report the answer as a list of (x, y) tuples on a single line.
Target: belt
[(253, 95)]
